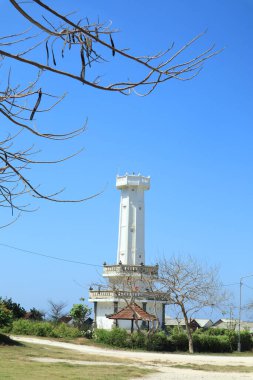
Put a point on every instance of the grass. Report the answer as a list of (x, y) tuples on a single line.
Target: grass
[(16, 363), (215, 368)]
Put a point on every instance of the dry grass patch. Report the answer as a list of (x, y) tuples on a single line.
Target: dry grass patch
[(16, 363)]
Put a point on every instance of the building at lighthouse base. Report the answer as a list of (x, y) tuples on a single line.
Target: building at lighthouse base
[(128, 285)]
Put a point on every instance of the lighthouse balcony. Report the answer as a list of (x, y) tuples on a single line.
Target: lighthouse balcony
[(115, 295), (132, 180), (123, 269)]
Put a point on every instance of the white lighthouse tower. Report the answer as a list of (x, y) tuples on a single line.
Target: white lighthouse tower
[(131, 249), (130, 267)]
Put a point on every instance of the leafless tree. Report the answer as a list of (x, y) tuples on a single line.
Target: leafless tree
[(56, 310), (131, 288), (44, 46), (190, 287)]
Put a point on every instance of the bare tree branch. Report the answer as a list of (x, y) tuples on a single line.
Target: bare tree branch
[(191, 287), (44, 46)]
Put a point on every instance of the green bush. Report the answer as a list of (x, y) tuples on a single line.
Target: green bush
[(157, 342), (43, 328), (211, 343), (64, 331), (101, 336), (179, 341), (119, 337), (221, 340), (213, 331), (116, 337), (22, 326), (246, 341), (137, 339)]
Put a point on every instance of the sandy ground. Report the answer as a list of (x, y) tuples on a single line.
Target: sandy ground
[(159, 361)]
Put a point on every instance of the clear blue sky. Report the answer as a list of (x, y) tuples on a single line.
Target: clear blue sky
[(193, 138)]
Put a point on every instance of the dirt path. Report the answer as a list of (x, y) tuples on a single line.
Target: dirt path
[(159, 361)]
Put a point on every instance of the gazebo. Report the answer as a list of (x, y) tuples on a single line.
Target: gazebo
[(133, 312)]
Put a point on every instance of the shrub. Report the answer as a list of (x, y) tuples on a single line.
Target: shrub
[(64, 331), (26, 327), (121, 338), (117, 337), (214, 331), (221, 340), (203, 341), (246, 341), (137, 340), (179, 341), (43, 328), (211, 343), (101, 336), (157, 342)]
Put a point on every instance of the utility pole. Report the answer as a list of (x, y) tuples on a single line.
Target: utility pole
[(240, 316), (240, 313)]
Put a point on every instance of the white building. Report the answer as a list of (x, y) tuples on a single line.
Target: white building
[(129, 280)]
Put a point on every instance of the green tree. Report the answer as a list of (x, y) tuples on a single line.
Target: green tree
[(80, 312), (6, 316), (35, 314), (17, 310)]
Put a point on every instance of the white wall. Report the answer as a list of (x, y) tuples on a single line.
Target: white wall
[(105, 308)]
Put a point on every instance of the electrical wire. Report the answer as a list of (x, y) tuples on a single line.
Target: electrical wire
[(49, 256), (247, 286), (234, 283), (75, 261)]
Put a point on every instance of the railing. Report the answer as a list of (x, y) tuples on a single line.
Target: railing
[(100, 294), (121, 269), (132, 180)]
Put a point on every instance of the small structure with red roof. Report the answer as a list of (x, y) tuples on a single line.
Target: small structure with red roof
[(133, 312)]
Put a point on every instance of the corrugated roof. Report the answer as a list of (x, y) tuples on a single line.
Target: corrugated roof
[(174, 322), (133, 312), (203, 322)]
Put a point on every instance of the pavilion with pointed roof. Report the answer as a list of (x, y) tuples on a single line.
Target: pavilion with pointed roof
[(133, 312)]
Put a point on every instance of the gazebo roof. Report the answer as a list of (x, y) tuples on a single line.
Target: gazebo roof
[(133, 312)]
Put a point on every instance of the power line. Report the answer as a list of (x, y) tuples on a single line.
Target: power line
[(247, 286), (49, 256), (75, 261), (234, 283)]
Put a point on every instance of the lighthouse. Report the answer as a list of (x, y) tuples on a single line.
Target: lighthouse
[(130, 279), (131, 249)]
